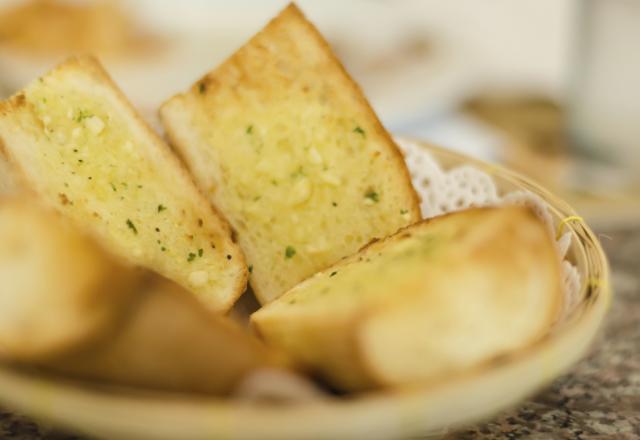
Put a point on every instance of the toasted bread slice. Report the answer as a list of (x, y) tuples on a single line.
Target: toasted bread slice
[(440, 297), (68, 306), (286, 146), (168, 341), (57, 290), (78, 143)]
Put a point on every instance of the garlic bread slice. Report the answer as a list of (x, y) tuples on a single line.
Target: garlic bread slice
[(438, 298), (76, 142), (285, 145)]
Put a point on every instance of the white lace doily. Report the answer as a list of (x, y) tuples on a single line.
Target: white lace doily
[(465, 186)]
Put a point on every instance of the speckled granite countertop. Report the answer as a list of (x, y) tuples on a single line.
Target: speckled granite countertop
[(599, 399)]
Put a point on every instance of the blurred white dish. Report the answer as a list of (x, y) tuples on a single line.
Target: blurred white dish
[(412, 58)]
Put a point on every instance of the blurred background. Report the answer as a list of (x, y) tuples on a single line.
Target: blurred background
[(548, 87)]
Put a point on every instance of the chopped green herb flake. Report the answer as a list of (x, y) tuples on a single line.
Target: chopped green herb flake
[(202, 87), (113, 187), (334, 204), (404, 211), (373, 196), (132, 226), (333, 274), (200, 252), (359, 131), (289, 252), (161, 208), (191, 257), (163, 248), (75, 150), (250, 129), (251, 268), (82, 115), (298, 173)]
